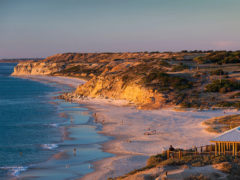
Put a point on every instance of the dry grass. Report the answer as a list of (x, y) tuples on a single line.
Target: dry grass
[(223, 123)]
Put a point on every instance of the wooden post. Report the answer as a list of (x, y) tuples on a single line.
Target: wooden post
[(236, 149), (233, 150), (219, 148), (179, 154), (216, 149), (224, 149), (168, 154)]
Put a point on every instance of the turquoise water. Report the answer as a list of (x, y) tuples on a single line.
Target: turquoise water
[(34, 127)]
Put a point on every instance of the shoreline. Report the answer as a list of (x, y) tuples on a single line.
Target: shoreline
[(69, 81), (132, 147), (66, 131), (139, 134)]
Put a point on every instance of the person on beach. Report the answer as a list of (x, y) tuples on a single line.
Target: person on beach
[(171, 148), (74, 151)]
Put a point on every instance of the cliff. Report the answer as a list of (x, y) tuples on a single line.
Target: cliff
[(115, 88), (81, 64), (36, 68), (149, 80)]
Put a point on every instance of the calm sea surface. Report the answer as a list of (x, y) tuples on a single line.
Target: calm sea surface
[(41, 137)]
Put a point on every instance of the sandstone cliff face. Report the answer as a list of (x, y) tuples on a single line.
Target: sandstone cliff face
[(36, 68), (115, 88), (140, 78)]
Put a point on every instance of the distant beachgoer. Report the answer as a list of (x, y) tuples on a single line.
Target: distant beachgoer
[(74, 151), (171, 148)]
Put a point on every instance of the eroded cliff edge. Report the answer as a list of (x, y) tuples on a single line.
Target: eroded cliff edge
[(149, 80)]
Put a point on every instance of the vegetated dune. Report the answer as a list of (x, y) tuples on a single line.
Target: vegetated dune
[(148, 80), (222, 124)]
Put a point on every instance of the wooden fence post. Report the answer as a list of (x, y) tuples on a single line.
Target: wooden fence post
[(179, 154), (216, 152)]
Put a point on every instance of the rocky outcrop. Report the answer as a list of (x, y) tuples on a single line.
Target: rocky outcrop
[(115, 88), (36, 68), (141, 78)]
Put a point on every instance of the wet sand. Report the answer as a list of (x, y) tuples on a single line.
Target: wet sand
[(142, 133)]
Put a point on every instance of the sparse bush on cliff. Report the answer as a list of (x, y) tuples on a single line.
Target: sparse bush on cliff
[(79, 69), (163, 81), (223, 86), (222, 124), (179, 67), (228, 104), (218, 72), (219, 57), (236, 95), (164, 63)]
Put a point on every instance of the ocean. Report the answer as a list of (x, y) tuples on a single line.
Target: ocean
[(42, 137)]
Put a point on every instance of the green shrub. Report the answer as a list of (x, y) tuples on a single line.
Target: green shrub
[(164, 63), (219, 57), (218, 72), (172, 162), (179, 67), (223, 86), (236, 95), (163, 81), (225, 104), (154, 160)]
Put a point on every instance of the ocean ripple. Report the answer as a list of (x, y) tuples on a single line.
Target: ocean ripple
[(49, 146), (15, 170)]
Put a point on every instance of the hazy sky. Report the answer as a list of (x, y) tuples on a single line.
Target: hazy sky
[(39, 28)]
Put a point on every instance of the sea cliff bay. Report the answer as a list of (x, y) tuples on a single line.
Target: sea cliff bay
[(146, 101)]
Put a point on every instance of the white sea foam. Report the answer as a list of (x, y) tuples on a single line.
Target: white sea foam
[(15, 170), (54, 125), (49, 146)]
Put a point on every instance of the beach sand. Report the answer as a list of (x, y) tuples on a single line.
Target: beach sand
[(139, 134), (70, 81), (130, 127)]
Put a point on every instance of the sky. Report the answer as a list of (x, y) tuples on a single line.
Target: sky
[(39, 28)]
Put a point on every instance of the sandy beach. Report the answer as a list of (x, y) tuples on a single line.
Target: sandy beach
[(139, 134), (70, 81)]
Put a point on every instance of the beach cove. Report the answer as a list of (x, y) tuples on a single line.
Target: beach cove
[(60, 138), (138, 134)]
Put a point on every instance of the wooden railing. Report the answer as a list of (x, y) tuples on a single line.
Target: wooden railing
[(207, 150)]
